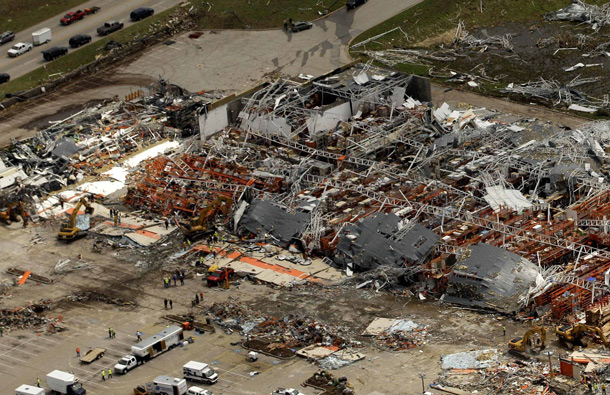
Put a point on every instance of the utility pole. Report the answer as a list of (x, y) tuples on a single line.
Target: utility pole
[(422, 376)]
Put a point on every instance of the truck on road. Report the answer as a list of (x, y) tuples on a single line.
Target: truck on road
[(165, 340), (64, 383), (41, 36), (200, 372), (72, 17), (109, 27), (165, 385)]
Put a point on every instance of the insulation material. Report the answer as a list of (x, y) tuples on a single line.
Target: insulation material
[(499, 197), (213, 121), (491, 278), (330, 118)]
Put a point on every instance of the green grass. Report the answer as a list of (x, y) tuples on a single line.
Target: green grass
[(431, 18), (256, 14), (263, 14), (17, 15)]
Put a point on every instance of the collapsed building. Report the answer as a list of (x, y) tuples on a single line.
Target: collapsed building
[(358, 168)]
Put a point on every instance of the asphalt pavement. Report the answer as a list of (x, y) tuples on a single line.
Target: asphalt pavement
[(236, 60), (111, 10)]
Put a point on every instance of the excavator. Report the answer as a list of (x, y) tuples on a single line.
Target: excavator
[(533, 340), (580, 334), (70, 230), (13, 212), (202, 226)]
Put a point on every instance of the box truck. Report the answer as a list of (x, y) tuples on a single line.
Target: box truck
[(64, 383), (165, 385), (29, 390), (200, 372), (41, 36), (165, 340)]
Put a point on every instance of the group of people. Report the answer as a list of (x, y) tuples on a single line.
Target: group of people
[(179, 275), (104, 374), (593, 384), (111, 333), (115, 214), (171, 303), (288, 24), (198, 298)]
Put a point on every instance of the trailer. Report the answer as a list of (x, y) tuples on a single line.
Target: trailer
[(41, 36), (93, 355), (165, 340)]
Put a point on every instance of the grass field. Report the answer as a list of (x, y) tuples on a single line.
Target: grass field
[(16, 15), (432, 18), (262, 14), (254, 13)]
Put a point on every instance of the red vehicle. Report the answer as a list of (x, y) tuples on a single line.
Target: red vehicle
[(71, 17), (220, 276)]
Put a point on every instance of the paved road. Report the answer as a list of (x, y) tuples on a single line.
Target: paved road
[(234, 60), (112, 10)]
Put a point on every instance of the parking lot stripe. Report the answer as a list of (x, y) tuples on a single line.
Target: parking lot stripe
[(16, 359)]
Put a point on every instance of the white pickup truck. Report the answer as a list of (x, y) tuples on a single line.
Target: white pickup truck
[(19, 49), (287, 391), (125, 364)]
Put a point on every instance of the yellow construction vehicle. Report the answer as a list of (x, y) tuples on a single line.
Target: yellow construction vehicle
[(202, 225), (580, 334), (12, 213), (533, 340), (70, 230)]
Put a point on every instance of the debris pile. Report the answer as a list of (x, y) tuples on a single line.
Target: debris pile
[(579, 11), (98, 297), (330, 384), (26, 317)]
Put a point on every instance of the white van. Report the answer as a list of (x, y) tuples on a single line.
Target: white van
[(198, 391)]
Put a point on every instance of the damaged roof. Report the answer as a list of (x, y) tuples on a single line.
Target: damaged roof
[(491, 278), (378, 241)]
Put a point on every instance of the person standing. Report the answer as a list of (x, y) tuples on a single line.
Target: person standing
[(166, 224), (503, 331), (174, 277), (171, 304), (113, 334), (139, 335), (181, 279), (37, 382), (165, 303), (110, 333), (103, 375), (109, 373), (78, 351), (196, 299), (119, 217)]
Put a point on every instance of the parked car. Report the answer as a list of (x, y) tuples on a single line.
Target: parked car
[(298, 26), (19, 49), (4, 78), (140, 13), (351, 4), (54, 53), (109, 27), (6, 37), (79, 39), (72, 17), (198, 391)]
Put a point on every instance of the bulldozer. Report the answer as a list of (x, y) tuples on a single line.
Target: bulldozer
[(533, 341), (580, 334), (71, 230), (12, 213), (202, 225)]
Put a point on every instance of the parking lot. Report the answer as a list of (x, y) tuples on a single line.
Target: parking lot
[(26, 356)]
